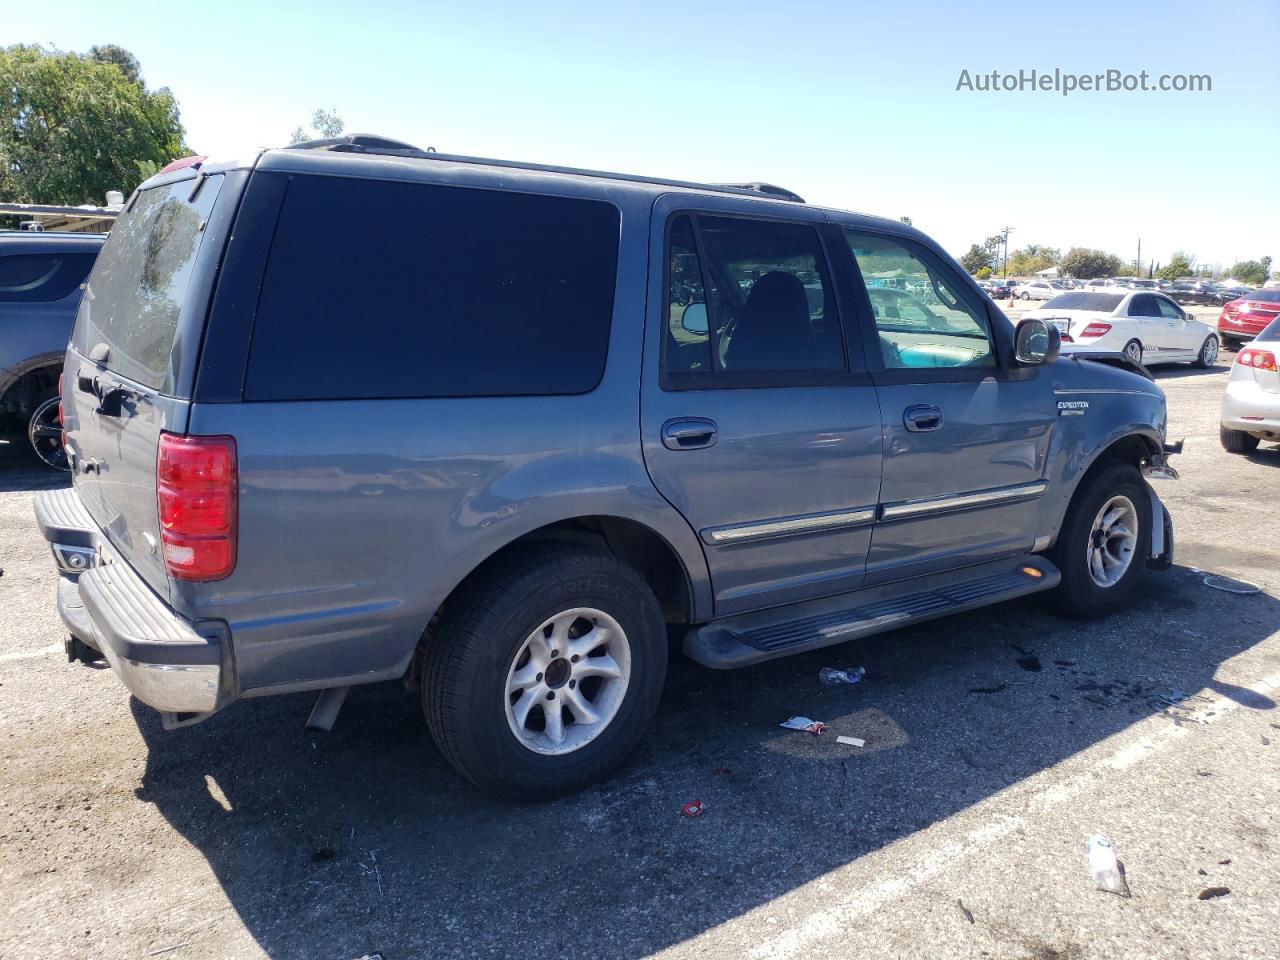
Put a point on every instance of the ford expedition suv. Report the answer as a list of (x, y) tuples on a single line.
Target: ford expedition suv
[(353, 412)]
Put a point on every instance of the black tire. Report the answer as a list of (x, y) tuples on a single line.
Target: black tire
[(465, 664), (1078, 595), (44, 434), (1237, 441), (1210, 345)]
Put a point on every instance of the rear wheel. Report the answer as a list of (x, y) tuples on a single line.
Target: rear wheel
[(1133, 351), (1237, 441), (44, 431), (1104, 542), (1208, 353), (1025, 295), (545, 671)]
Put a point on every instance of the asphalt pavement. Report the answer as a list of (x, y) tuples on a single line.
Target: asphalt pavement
[(996, 743)]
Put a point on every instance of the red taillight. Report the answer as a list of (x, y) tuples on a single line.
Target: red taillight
[(1257, 359), (1095, 330), (196, 493)]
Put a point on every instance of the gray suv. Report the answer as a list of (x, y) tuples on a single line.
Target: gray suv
[(354, 412), (40, 278)]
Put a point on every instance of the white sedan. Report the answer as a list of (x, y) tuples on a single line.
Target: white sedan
[(1251, 405), (1038, 290), (1144, 327)]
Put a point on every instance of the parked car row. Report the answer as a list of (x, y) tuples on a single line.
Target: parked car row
[(1142, 327)]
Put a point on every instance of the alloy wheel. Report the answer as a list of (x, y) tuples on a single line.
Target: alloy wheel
[(1113, 538)]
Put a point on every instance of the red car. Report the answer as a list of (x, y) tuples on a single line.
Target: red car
[(1243, 319)]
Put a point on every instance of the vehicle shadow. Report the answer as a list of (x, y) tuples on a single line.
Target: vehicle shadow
[(363, 839), (21, 470), (1179, 371)]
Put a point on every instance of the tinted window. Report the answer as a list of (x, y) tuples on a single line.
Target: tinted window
[(688, 334), (772, 305), (134, 294), (1086, 300), (1168, 308), (42, 276), (1266, 296), (930, 323), (1143, 305), (1271, 331), (378, 289)]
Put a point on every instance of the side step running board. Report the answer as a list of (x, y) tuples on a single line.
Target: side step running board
[(753, 638)]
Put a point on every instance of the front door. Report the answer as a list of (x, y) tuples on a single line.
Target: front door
[(1183, 335), (760, 424), (965, 435)]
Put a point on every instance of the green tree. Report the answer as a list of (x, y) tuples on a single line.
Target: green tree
[(325, 125), (122, 58), (1179, 265), (1032, 259), (1085, 264), (1249, 271), (906, 220), (975, 258), (73, 127), (983, 273)]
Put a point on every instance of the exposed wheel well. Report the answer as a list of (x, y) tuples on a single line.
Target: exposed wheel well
[(629, 541), (1133, 449), (26, 393)]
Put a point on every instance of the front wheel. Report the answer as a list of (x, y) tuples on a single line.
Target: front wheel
[(1208, 353), (545, 671), (1104, 542), (1237, 441)]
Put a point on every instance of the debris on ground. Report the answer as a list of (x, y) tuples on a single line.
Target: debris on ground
[(1030, 663), (1223, 863), (323, 854), (804, 723), (1108, 872), (1211, 893), (996, 689), (851, 741), (1230, 585), (831, 677), (163, 950), (964, 911), (694, 808)]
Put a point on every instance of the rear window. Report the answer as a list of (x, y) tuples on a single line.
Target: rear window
[(1086, 300), (1266, 296), (135, 291), (384, 289), (41, 277), (1271, 331)]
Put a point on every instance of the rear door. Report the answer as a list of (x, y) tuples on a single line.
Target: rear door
[(136, 332), (966, 436), (759, 422)]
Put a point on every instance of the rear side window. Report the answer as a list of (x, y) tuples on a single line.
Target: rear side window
[(377, 289), (31, 277), (135, 292)]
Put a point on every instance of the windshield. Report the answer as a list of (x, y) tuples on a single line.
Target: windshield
[(1086, 300), (135, 291)]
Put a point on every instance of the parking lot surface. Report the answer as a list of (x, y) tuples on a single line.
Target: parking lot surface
[(996, 743)]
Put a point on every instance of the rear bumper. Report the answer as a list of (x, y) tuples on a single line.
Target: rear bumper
[(166, 661), (1246, 398), (1241, 328)]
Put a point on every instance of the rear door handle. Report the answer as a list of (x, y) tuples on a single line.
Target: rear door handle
[(922, 418), (689, 433)]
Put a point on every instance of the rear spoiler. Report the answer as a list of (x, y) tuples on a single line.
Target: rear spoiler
[(1116, 359)]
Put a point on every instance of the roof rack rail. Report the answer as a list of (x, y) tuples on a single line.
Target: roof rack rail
[(374, 145), (357, 143), (772, 190)]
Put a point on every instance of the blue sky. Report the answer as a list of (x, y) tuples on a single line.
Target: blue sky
[(851, 104)]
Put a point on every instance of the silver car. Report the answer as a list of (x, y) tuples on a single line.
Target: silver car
[(1251, 405)]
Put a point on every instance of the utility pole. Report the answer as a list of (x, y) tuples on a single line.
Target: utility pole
[(1137, 264), (1006, 232)]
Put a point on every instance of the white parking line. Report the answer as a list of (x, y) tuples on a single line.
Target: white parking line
[(833, 920), (31, 654)]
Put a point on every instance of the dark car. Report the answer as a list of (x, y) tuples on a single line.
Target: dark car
[(1198, 291), (1000, 289), (40, 279), (507, 441)]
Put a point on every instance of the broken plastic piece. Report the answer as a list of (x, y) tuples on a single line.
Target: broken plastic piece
[(1107, 871), (694, 808), (804, 723), (831, 677), (1212, 893), (851, 741), (1229, 585)]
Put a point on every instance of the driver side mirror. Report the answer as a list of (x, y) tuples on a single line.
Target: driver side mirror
[(1036, 343), (694, 319)]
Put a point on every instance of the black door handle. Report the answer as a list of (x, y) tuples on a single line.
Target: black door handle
[(922, 418), (689, 433)]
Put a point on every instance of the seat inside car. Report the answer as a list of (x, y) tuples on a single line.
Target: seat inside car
[(773, 330)]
